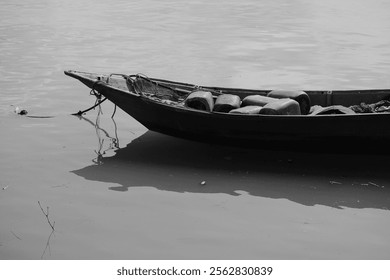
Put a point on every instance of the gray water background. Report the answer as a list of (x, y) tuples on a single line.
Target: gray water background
[(145, 200)]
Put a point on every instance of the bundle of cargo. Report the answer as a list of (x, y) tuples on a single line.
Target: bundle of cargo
[(275, 103)]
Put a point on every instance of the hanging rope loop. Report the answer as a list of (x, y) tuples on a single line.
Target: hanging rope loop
[(93, 91), (98, 96)]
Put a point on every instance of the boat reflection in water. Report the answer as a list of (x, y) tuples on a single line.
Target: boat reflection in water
[(176, 165)]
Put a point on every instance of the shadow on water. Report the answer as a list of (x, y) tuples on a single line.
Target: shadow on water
[(176, 165)]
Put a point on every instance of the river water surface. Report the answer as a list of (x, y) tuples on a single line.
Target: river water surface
[(117, 191)]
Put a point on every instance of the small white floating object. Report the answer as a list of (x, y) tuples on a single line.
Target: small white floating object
[(375, 185), (4, 188), (335, 182), (203, 183)]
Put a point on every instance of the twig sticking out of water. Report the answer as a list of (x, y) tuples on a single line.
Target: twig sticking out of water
[(47, 245), (47, 215)]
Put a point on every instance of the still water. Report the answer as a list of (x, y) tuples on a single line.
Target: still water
[(116, 191)]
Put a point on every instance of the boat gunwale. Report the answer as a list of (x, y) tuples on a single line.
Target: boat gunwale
[(76, 74)]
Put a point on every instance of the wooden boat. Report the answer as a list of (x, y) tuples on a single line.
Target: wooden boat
[(159, 105)]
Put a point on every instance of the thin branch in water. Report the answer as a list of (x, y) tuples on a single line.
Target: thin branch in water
[(47, 245), (47, 215)]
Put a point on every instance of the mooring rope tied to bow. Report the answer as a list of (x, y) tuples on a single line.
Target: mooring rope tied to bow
[(137, 87), (98, 101)]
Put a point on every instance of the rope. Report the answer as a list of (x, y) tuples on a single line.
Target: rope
[(94, 92), (142, 84), (137, 87), (113, 114), (99, 100), (79, 113)]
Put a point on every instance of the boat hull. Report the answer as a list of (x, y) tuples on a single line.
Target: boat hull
[(334, 132)]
